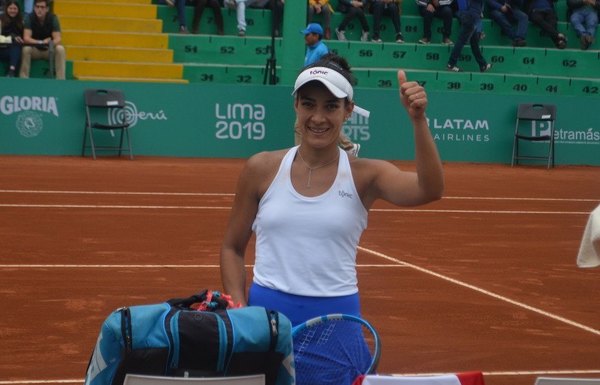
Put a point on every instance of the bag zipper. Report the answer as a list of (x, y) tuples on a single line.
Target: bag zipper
[(171, 317), (126, 328)]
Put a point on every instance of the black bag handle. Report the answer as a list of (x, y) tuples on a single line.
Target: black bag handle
[(185, 303)]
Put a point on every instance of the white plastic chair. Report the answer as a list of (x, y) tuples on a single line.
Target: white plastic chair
[(138, 379), (566, 381)]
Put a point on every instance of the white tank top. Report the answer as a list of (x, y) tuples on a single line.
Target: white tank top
[(307, 245)]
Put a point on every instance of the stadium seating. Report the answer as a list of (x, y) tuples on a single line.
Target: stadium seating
[(161, 54), (116, 40)]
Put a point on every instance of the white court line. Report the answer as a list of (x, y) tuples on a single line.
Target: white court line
[(146, 207), (510, 373), (484, 211), (486, 292), (72, 266), (113, 193), (159, 207), (158, 193), (396, 263)]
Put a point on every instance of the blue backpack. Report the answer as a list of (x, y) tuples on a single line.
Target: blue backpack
[(174, 339)]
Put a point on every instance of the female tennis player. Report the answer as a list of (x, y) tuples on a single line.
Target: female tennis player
[(308, 205)]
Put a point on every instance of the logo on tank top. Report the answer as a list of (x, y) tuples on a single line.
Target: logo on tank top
[(344, 194)]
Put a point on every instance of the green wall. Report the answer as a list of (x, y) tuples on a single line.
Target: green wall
[(46, 117)]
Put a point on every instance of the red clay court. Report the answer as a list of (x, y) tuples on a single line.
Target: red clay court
[(483, 280)]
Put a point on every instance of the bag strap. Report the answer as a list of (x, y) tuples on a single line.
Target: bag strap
[(185, 303), (273, 318)]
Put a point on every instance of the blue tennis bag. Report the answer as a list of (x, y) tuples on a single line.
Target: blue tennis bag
[(174, 339)]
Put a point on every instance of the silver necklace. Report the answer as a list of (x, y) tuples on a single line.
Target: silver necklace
[(311, 169)]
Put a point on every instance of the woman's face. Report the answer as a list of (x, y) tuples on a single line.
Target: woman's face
[(320, 115), (12, 10)]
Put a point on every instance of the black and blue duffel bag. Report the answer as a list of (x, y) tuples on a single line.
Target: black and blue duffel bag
[(174, 338)]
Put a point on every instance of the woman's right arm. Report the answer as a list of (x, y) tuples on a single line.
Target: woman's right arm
[(252, 183)]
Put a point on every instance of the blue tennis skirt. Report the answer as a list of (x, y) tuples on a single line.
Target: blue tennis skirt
[(299, 308)]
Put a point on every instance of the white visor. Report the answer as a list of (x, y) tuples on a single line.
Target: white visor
[(335, 82)]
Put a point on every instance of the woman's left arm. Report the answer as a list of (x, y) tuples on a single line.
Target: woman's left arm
[(427, 183)]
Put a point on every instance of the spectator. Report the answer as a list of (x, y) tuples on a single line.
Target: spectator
[(199, 9), (180, 5), (12, 26), (390, 8), (583, 15), (42, 32), (469, 15), (441, 9), (506, 13), (352, 9), (315, 48), (323, 8), (543, 14), (240, 6), (276, 7)]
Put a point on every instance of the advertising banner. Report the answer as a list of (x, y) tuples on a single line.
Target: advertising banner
[(46, 117)]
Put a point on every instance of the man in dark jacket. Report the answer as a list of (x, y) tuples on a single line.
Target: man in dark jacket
[(42, 34), (543, 14), (469, 15)]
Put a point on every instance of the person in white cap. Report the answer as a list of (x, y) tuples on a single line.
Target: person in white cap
[(315, 50), (308, 205)]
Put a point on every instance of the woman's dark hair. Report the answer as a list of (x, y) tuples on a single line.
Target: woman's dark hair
[(336, 63), (7, 20)]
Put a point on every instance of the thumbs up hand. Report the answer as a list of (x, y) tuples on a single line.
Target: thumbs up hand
[(412, 96)]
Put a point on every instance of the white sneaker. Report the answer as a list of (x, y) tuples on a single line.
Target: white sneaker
[(354, 150), (364, 36), (340, 35)]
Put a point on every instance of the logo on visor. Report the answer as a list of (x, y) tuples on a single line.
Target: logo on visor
[(318, 72)]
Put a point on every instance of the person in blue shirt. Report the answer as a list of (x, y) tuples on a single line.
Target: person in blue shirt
[(315, 48)]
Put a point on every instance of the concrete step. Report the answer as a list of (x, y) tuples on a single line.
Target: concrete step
[(119, 54), (107, 2), (104, 9), (509, 60), (480, 83), (83, 69), (232, 74), (132, 80), (115, 39), (94, 23)]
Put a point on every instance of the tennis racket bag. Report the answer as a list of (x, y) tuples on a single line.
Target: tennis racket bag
[(173, 338)]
